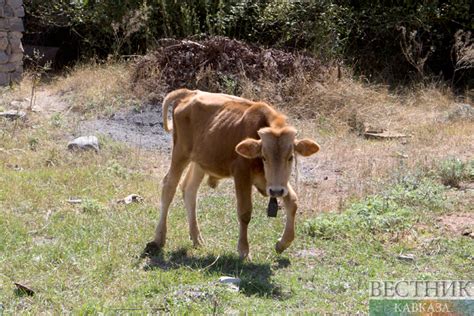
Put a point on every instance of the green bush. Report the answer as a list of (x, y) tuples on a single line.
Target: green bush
[(390, 41), (395, 210), (374, 215), (452, 171)]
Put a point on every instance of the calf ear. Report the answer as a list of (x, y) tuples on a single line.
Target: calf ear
[(249, 148), (306, 147)]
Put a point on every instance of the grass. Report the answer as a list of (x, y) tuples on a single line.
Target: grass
[(86, 258)]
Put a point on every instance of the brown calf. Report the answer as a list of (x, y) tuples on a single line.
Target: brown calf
[(226, 136)]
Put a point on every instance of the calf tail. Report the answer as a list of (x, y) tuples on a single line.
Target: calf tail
[(172, 97)]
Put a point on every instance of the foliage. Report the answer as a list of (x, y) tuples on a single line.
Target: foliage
[(392, 211), (395, 41), (373, 215), (452, 171)]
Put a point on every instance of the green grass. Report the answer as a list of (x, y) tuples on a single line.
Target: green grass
[(87, 258)]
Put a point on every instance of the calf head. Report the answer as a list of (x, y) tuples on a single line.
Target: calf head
[(276, 147)]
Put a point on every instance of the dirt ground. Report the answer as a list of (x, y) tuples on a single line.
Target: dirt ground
[(137, 127)]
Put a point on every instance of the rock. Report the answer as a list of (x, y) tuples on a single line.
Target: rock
[(23, 289), (15, 43), (4, 25), (19, 12), (3, 43), (15, 57), (468, 232), (85, 143), (74, 201), (407, 257), (13, 114), (16, 75), (130, 199), (384, 135), (18, 35), (3, 58), (233, 283), (461, 111), (15, 3), (9, 67), (16, 25), (4, 79)]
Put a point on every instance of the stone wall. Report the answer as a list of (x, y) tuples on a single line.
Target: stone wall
[(11, 32)]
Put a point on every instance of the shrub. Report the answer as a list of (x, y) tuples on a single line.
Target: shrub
[(452, 171)]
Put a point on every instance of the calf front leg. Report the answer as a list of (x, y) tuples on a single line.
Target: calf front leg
[(243, 189), (290, 202)]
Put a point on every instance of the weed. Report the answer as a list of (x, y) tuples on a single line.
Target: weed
[(91, 206), (114, 168), (57, 120), (33, 143), (375, 214), (418, 192), (392, 211), (452, 171)]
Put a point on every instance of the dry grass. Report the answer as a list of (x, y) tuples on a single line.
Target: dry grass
[(333, 112), (84, 258), (337, 111), (96, 87)]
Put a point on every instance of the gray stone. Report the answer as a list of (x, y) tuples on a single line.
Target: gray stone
[(3, 58), (16, 76), (13, 114), (19, 12), (16, 46), (232, 283), (461, 111), (8, 11), (8, 67), (4, 79), (15, 57), (2, 13), (2, 2), (16, 35), (3, 43), (84, 142), (16, 25), (3, 34), (4, 25), (15, 3)]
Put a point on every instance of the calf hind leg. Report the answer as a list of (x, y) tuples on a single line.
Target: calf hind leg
[(190, 186)]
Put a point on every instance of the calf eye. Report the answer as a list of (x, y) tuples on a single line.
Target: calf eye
[(264, 159), (290, 158)]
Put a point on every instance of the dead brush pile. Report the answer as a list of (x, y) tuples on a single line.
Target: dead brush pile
[(217, 64)]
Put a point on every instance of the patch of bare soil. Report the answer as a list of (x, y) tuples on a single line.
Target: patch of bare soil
[(137, 127), (458, 224), (44, 102)]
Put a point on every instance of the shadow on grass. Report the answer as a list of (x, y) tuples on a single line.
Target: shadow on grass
[(255, 277)]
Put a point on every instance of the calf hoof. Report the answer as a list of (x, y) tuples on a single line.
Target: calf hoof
[(198, 242), (244, 253), (280, 247), (151, 248), (245, 256)]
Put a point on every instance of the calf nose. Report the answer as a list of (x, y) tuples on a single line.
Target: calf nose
[(276, 192)]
